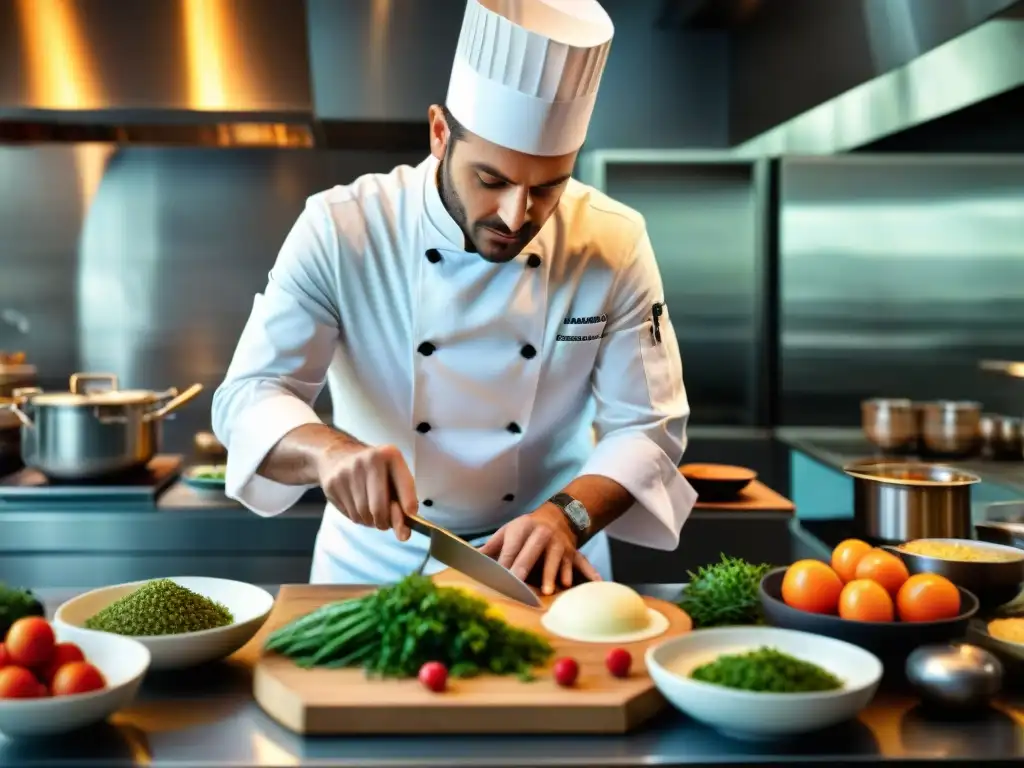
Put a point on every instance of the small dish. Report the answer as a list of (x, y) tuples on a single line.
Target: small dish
[(717, 482), (886, 639), (123, 661), (752, 715), (249, 605), (205, 477)]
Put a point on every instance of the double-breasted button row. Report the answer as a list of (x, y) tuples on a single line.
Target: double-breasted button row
[(434, 256), (427, 348), (506, 497)]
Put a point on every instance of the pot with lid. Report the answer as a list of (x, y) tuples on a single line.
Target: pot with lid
[(88, 433)]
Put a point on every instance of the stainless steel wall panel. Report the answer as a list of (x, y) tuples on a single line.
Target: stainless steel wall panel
[(898, 274), (704, 213)]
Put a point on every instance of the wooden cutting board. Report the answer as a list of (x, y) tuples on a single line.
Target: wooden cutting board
[(328, 701)]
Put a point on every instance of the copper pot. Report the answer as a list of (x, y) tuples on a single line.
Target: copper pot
[(951, 427), (891, 424)]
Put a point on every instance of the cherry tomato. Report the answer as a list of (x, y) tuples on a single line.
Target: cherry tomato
[(618, 662), (846, 556), (434, 676), (928, 597), (19, 683), (812, 586), (30, 642), (884, 568), (865, 600), (63, 653), (77, 677), (566, 671), (5, 657)]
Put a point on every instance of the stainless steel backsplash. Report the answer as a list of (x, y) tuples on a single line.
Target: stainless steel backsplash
[(144, 262)]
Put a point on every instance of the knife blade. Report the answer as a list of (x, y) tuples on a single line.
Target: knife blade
[(460, 555)]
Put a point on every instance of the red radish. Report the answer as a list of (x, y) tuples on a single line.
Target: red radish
[(434, 676), (618, 662), (566, 671)]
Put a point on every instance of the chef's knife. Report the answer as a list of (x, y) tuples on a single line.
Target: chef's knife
[(456, 553)]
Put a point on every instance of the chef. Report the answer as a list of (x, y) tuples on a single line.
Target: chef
[(493, 333)]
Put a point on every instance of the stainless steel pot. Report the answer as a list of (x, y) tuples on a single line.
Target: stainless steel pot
[(891, 424), (898, 501), (87, 434)]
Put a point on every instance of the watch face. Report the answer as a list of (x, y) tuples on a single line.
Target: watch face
[(578, 514)]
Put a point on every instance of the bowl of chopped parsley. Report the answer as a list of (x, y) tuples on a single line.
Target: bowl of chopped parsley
[(764, 682), (183, 621)]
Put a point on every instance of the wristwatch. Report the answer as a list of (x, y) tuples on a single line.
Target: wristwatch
[(575, 513)]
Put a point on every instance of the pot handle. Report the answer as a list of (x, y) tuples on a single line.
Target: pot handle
[(175, 403), (78, 379), (22, 416)]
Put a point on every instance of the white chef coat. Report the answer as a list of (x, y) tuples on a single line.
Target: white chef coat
[(492, 379)]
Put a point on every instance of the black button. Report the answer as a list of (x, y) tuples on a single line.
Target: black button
[(513, 428), (509, 497), (433, 256), (423, 427), (528, 351), (533, 261), (428, 503), (426, 348)]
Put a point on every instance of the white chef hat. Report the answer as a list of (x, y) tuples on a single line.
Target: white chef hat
[(526, 72)]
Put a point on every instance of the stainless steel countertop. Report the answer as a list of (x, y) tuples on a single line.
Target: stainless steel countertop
[(837, 447), (208, 717)]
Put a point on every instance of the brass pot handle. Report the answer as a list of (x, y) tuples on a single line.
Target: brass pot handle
[(22, 416), (175, 403)]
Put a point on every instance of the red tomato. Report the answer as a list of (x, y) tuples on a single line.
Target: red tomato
[(63, 653), (618, 662), (30, 642), (19, 683), (77, 677), (5, 658), (566, 671), (434, 676)]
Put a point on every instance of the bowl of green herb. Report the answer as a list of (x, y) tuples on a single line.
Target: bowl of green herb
[(183, 621), (764, 682)]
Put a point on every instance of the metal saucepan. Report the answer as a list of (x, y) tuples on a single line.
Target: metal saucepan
[(891, 424), (897, 501), (1002, 437), (85, 434), (951, 427)]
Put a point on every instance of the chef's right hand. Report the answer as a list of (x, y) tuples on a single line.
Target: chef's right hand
[(371, 485)]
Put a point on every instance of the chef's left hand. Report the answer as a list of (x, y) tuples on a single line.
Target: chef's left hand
[(545, 536)]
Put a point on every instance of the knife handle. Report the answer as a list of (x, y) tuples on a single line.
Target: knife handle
[(419, 525)]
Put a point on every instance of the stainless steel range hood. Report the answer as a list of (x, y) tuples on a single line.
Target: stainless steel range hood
[(923, 84), (223, 72)]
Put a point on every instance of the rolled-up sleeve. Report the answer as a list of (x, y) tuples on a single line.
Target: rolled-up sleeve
[(642, 409), (280, 363)]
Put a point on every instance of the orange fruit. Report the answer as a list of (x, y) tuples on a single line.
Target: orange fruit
[(810, 585), (886, 569), (928, 597), (846, 556), (865, 600)]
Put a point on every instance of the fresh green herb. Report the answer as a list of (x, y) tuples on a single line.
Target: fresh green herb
[(16, 604), (160, 607), (394, 630), (768, 671), (724, 594)]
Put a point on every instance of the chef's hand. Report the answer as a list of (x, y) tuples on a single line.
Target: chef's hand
[(370, 485), (545, 536)]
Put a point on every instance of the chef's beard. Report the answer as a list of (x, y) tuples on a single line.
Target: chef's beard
[(457, 210)]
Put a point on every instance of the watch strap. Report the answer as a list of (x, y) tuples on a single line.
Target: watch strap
[(580, 526)]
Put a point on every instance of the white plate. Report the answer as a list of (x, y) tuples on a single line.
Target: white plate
[(753, 715), (123, 662), (249, 605)]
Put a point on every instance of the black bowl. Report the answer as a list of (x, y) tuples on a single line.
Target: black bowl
[(885, 639), (717, 483)]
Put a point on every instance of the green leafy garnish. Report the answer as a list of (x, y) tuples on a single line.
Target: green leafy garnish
[(766, 670), (724, 594), (395, 630)]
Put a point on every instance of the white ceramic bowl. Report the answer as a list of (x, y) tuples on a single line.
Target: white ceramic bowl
[(123, 662), (751, 715), (249, 605)]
